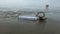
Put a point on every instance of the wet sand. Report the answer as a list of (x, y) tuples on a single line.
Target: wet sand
[(13, 26)]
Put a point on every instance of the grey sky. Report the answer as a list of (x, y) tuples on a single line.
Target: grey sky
[(29, 3)]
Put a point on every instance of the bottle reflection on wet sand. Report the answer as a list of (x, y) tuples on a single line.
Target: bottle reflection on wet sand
[(42, 24)]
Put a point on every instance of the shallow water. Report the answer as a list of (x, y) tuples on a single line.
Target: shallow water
[(15, 26)]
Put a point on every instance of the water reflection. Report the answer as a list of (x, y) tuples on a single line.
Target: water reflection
[(42, 25), (31, 26), (42, 21)]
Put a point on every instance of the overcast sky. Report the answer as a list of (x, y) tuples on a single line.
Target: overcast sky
[(29, 3)]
